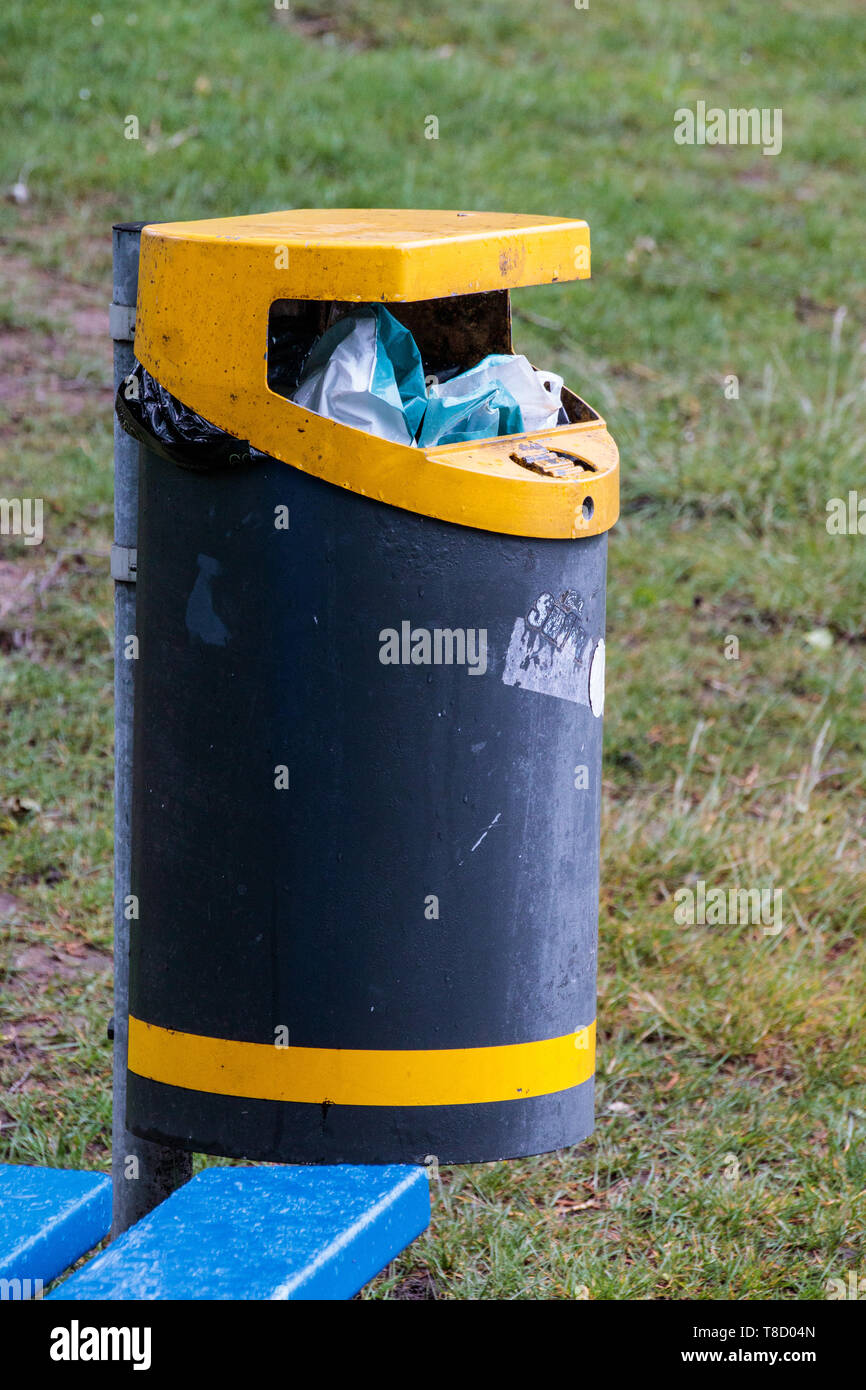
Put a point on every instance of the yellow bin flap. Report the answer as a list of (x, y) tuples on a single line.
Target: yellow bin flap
[(205, 291), (389, 254)]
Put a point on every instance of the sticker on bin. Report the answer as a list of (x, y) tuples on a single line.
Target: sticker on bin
[(552, 653)]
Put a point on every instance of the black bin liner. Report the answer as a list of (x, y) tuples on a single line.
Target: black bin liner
[(157, 419), (161, 422)]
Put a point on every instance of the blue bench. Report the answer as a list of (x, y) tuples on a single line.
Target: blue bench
[(263, 1233), (49, 1217)]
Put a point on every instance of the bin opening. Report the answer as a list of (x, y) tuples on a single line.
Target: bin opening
[(451, 333), (376, 378)]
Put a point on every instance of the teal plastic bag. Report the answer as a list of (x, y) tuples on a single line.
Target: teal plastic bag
[(453, 419), (501, 394), (366, 371)]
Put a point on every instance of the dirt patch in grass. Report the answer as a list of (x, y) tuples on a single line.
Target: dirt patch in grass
[(23, 591), (17, 605), (82, 308), (416, 1286), (46, 979), (71, 961), (344, 22), (11, 907), (55, 349)]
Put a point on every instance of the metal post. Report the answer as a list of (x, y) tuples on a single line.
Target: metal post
[(143, 1174)]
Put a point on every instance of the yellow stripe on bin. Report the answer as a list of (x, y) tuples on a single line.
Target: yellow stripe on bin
[(353, 1076)]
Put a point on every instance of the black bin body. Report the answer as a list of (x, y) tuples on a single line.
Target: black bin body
[(367, 889)]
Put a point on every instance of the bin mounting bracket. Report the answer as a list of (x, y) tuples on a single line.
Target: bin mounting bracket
[(121, 322), (124, 563)]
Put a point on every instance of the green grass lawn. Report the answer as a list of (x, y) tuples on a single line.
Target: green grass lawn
[(729, 1158)]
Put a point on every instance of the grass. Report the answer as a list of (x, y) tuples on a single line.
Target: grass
[(729, 1157)]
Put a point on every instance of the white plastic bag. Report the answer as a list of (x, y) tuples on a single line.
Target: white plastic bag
[(504, 379), (539, 394), (366, 372)]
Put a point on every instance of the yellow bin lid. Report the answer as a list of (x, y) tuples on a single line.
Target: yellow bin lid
[(392, 254), (205, 290)]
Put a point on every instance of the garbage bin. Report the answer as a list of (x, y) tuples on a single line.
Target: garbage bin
[(368, 723)]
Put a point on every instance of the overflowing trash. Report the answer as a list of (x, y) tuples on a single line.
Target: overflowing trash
[(365, 371)]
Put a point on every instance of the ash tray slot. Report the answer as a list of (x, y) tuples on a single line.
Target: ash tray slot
[(553, 463)]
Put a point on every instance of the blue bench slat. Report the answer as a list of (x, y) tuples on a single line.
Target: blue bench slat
[(263, 1233), (48, 1218)]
